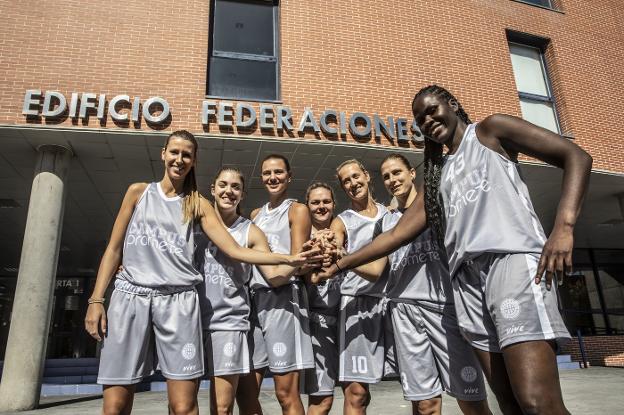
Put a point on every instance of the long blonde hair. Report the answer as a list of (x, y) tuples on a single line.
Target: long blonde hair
[(191, 207)]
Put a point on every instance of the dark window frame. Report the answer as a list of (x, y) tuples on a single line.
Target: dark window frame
[(552, 5), (275, 58), (540, 43)]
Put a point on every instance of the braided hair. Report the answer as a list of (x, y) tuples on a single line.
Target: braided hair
[(434, 207)]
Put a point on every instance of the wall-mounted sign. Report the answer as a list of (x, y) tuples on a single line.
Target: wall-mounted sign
[(226, 115), (55, 105), (330, 121)]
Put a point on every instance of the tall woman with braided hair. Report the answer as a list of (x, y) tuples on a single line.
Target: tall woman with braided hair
[(478, 206)]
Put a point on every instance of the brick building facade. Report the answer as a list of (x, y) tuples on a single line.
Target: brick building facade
[(352, 57)]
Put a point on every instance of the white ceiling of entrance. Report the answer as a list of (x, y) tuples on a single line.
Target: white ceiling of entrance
[(107, 162)]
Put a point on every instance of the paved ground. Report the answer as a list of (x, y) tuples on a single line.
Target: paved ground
[(592, 391)]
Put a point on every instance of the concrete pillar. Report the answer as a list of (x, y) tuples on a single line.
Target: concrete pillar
[(32, 307)]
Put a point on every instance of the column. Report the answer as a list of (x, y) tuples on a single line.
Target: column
[(32, 307)]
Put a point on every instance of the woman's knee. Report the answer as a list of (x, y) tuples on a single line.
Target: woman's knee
[(357, 395), (183, 406)]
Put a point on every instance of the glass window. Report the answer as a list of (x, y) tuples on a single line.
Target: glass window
[(244, 27), (244, 56), (242, 78), (536, 101), (545, 3)]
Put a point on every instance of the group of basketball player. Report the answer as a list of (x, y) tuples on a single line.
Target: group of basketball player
[(451, 282)]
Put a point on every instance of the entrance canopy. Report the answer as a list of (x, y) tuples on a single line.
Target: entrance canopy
[(106, 161)]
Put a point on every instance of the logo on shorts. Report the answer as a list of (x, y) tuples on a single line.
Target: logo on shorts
[(469, 374), (229, 349), (189, 351), (279, 349), (510, 308)]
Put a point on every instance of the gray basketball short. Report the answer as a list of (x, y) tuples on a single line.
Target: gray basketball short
[(227, 353), (321, 380), (255, 340), (433, 356), (499, 304), (145, 324), (283, 318), (361, 332)]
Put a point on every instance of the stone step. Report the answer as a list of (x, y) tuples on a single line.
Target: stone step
[(564, 358)]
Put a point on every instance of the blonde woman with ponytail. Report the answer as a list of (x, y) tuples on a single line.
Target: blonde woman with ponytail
[(154, 308)]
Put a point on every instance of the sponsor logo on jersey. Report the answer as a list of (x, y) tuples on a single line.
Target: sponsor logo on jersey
[(189, 351), (229, 349), (467, 188), (142, 234), (468, 374), (229, 364), (518, 328), (279, 349), (510, 308)]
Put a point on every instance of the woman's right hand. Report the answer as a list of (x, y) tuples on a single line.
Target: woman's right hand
[(95, 321)]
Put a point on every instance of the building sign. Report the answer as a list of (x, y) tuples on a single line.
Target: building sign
[(224, 115)]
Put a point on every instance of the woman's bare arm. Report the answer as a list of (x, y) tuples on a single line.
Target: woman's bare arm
[(95, 320), (514, 136)]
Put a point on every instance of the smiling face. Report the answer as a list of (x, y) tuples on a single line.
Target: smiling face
[(227, 190), (321, 205), (397, 177), (436, 117), (179, 157), (275, 176), (354, 181)]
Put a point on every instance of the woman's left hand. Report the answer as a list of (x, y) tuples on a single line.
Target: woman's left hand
[(556, 259)]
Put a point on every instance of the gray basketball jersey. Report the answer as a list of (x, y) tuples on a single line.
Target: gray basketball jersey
[(360, 231), (223, 295), (487, 204), (417, 270), (158, 247), (275, 225)]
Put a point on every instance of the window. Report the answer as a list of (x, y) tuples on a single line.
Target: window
[(543, 3), (536, 100), (244, 50)]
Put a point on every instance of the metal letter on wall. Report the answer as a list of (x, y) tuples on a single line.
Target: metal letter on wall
[(241, 122), (112, 107), (86, 103), (362, 131), (325, 126), (48, 112), (225, 110), (382, 127), (208, 109), (266, 117), (308, 121), (284, 118), (160, 117), (29, 101)]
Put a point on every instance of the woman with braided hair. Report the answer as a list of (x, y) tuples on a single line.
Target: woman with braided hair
[(478, 206)]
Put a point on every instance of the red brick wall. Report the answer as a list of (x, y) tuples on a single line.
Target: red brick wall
[(600, 350), (369, 55)]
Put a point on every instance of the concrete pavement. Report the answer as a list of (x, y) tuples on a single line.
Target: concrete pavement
[(591, 391)]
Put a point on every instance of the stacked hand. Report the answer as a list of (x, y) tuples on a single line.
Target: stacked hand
[(325, 241)]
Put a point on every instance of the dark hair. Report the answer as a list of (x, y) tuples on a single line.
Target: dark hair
[(279, 157), (191, 207), (240, 175), (317, 185), (397, 156), (433, 166)]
